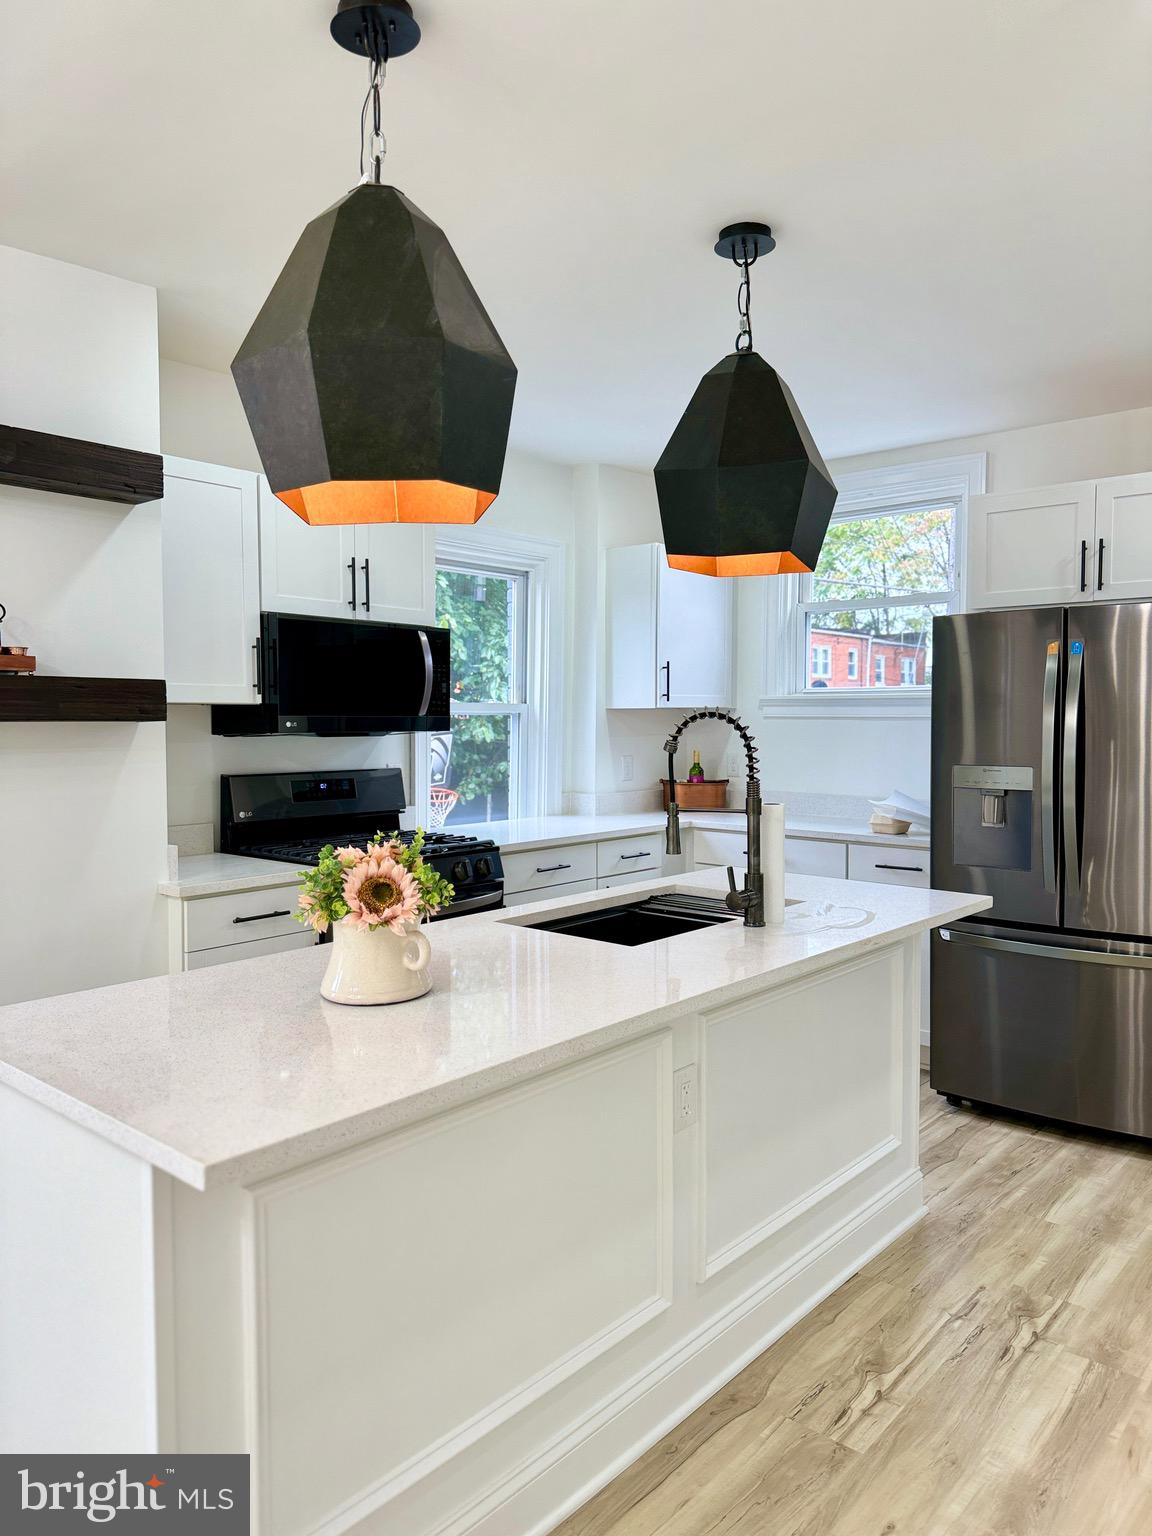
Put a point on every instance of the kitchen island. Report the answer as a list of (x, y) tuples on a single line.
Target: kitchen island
[(445, 1268)]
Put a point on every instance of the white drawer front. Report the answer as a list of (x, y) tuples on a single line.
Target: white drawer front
[(610, 882), (549, 866), (240, 917), (626, 855), (542, 893), (888, 866), (807, 856), (199, 958), (716, 847)]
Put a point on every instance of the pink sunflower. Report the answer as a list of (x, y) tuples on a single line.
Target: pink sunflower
[(350, 856), (378, 890)]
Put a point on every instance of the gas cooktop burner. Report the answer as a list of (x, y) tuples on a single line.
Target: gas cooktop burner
[(290, 817)]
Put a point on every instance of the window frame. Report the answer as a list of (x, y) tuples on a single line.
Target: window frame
[(535, 781), (853, 666), (863, 493)]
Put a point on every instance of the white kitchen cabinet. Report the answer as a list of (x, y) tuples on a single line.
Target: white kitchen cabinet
[(379, 571), (302, 569), (888, 866), (209, 531), (669, 633), (396, 575), (1029, 547), (619, 857), (811, 856), (535, 869), (547, 892), (1124, 537), (1086, 541), (252, 950)]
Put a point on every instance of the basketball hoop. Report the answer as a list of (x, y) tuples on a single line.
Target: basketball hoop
[(442, 800)]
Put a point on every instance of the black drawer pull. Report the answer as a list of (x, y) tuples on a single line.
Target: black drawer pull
[(260, 917), (643, 855), (911, 869), (548, 869)]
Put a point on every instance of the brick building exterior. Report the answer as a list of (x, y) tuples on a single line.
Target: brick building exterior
[(842, 658)]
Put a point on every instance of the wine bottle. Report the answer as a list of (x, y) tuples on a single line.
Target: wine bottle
[(696, 772)]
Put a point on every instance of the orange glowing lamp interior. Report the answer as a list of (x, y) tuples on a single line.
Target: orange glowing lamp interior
[(387, 501), (776, 563)]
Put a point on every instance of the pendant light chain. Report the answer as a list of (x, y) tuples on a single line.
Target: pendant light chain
[(373, 144), (744, 296)]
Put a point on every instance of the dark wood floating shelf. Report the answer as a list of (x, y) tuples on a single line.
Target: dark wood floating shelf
[(82, 698), (41, 461)]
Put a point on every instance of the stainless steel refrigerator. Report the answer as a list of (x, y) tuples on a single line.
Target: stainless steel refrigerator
[(1042, 799)]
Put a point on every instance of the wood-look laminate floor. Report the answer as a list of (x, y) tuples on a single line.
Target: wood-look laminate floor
[(988, 1375)]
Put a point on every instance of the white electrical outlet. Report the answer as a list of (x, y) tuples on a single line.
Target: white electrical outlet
[(684, 1095), (735, 764), (626, 769)]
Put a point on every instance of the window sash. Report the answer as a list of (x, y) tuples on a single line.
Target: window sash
[(808, 610)]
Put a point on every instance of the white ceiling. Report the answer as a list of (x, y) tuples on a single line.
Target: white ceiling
[(960, 191)]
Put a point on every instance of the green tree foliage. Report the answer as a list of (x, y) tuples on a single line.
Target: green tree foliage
[(884, 557), (477, 609)]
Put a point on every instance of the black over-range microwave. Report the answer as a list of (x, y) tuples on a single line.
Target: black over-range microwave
[(343, 677)]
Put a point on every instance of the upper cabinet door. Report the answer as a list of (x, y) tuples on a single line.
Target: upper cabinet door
[(302, 569), (211, 576), (693, 638), (1122, 558), (396, 572), (669, 633), (1027, 548)]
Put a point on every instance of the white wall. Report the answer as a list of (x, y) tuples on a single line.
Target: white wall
[(82, 817), (868, 758)]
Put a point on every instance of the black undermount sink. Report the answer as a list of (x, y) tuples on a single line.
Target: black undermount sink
[(641, 922)]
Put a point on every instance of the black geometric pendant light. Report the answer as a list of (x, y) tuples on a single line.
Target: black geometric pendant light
[(742, 488), (375, 384)]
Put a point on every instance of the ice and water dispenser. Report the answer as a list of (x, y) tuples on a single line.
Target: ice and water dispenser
[(992, 817)]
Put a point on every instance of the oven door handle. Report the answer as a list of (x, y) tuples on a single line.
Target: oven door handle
[(429, 677), (475, 903)]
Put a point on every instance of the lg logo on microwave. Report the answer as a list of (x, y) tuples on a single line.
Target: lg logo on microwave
[(208, 1494)]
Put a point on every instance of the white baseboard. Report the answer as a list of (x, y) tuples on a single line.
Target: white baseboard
[(563, 1476)]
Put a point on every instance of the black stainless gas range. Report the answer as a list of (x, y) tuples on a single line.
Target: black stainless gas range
[(291, 816)]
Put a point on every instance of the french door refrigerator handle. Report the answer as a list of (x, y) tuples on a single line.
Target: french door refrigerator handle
[(1048, 765), (1048, 951), (1069, 787)]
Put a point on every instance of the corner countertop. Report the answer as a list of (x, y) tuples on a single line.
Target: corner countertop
[(217, 874), (238, 1072)]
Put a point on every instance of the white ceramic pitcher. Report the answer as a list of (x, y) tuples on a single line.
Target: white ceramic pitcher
[(375, 965)]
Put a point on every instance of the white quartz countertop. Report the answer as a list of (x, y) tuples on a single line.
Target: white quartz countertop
[(238, 1072), (216, 874)]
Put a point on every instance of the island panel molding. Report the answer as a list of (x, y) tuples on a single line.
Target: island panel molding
[(841, 1124), (73, 466), (132, 699), (341, 1310)]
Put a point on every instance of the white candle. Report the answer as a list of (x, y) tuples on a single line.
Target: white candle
[(772, 859)]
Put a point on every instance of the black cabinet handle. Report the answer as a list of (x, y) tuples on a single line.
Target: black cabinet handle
[(259, 917), (911, 869), (351, 566), (644, 855), (257, 678), (1100, 568), (367, 603), (667, 671), (1083, 565), (548, 869)]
